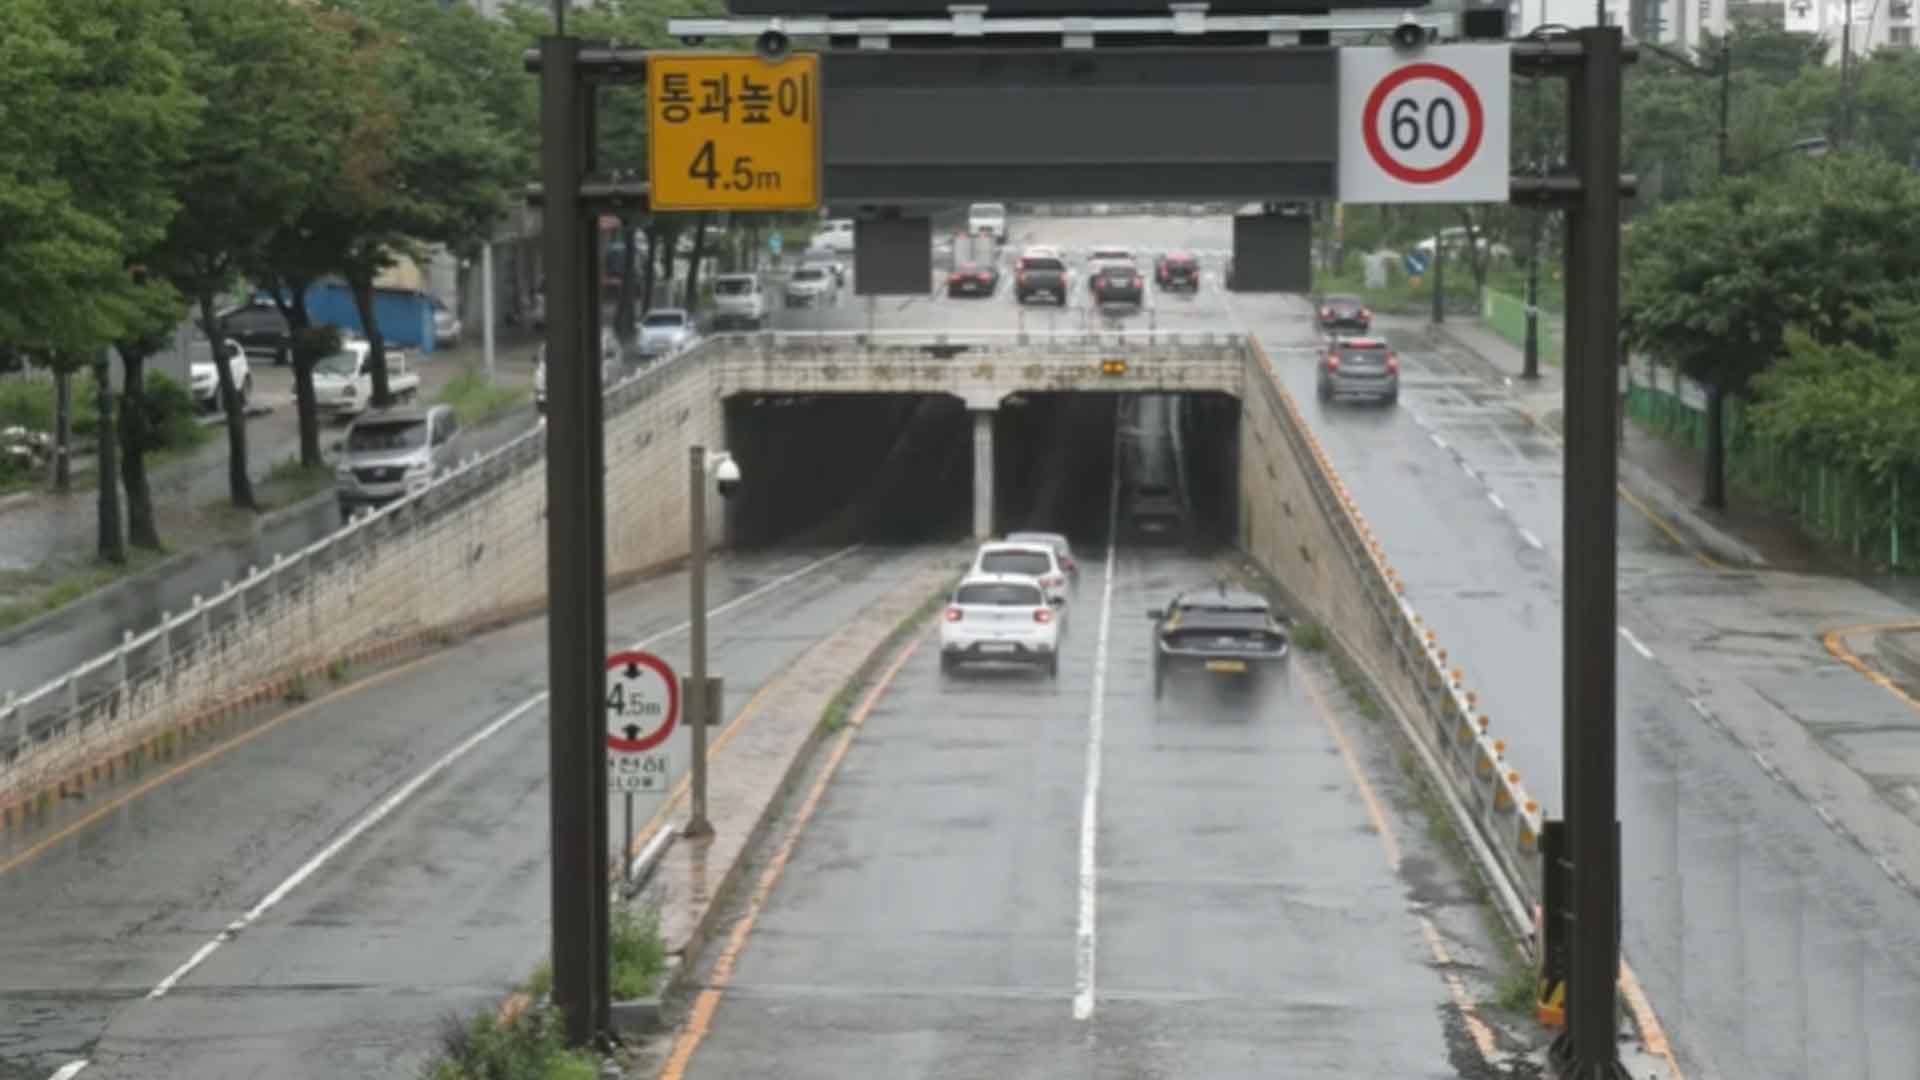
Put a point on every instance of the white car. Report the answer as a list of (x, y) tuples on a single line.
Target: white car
[(812, 286), (989, 218), (835, 235), (1039, 561), (446, 325), (1054, 540), (206, 377), (1000, 617), (665, 332), (738, 299), (343, 382)]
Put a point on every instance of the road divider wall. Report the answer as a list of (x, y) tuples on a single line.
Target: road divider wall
[(1298, 521), (467, 552)]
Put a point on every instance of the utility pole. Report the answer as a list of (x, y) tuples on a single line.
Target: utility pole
[(1530, 368), (698, 827), (1439, 279)]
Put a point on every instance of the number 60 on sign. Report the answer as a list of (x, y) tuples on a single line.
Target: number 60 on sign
[(733, 132)]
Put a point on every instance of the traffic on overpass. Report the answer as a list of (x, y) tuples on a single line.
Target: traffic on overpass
[(1081, 594)]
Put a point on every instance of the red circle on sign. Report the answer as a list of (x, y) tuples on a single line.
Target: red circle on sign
[(647, 660), (1370, 124)]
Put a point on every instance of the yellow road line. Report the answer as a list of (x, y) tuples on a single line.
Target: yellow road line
[(212, 754), (708, 1002), (1836, 644)]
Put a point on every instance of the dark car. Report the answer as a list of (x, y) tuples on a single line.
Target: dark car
[(1360, 367), (1177, 270), (1339, 313), (260, 329), (1218, 632), (1117, 283), (973, 279), (1041, 275), (1153, 514)]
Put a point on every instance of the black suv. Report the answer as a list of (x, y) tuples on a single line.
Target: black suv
[(1117, 283)]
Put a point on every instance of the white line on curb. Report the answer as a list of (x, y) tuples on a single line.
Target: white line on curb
[(393, 801), (1084, 939), (1437, 440), (1532, 540), (1645, 652)]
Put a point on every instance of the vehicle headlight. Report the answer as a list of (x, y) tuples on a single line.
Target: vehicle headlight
[(420, 468)]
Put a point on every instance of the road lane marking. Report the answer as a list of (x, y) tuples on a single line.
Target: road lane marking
[(1495, 500), (1437, 440), (1644, 652), (700, 1021), (1468, 469), (70, 1070), (1532, 540), (1835, 641), (406, 791), (1085, 943)]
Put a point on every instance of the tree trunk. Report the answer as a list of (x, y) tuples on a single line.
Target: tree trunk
[(1714, 483), (623, 310), (134, 437), (113, 545), (653, 261), (669, 253), (376, 342), (291, 298), (693, 267), (61, 464), (239, 482)]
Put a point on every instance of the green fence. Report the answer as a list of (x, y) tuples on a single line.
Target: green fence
[(1507, 316), (1873, 517)]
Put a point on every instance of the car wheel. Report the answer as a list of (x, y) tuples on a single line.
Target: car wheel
[(1324, 392), (1159, 679), (948, 664), (1053, 665)]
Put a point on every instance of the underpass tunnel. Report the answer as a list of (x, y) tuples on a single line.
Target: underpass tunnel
[(841, 468), (1208, 426), (1053, 464)]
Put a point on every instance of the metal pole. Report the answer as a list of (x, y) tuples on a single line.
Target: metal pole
[(1439, 278), (1846, 73), (588, 283), (1726, 99), (486, 306), (626, 846), (698, 827), (1587, 1049), (1530, 366), (575, 575)]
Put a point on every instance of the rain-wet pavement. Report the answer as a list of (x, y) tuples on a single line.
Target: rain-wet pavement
[(1244, 921), (1772, 945), (438, 909)]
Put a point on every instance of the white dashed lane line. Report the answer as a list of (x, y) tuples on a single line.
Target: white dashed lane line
[(1638, 647)]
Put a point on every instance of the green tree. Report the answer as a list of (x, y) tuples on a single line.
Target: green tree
[(1713, 284), (266, 70)]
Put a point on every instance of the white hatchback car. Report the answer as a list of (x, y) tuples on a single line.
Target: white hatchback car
[(1000, 617), (1038, 560), (1056, 541)]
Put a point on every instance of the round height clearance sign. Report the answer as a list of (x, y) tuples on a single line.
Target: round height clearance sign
[(643, 705), (1426, 126)]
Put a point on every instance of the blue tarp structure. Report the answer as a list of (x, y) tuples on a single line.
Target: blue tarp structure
[(405, 315)]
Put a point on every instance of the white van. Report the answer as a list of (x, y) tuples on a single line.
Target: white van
[(835, 235), (990, 218)]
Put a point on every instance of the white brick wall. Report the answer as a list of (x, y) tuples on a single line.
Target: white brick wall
[(470, 550)]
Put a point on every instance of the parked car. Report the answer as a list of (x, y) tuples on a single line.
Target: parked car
[(812, 286), (259, 328), (343, 382), (388, 454), (665, 332), (446, 325), (1221, 632), (1000, 617), (1339, 313), (973, 279), (1360, 367), (739, 300), (205, 377), (1177, 270)]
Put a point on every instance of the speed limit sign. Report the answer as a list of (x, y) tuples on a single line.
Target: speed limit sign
[(1425, 126)]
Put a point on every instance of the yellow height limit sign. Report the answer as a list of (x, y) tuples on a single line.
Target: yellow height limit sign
[(733, 132)]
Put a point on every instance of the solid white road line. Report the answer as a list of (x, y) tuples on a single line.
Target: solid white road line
[(1084, 940), (1495, 500), (70, 1070), (1437, 440), (1532, 540), (393, 802), (1645, 652)]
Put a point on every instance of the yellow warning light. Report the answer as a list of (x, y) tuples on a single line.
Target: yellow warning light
[(1113, 367)]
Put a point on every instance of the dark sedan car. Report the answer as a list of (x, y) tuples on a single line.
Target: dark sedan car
[(260, 329), (1339, 313), (1220, 633), (1117, 283), (1177, 270), (973, 279)]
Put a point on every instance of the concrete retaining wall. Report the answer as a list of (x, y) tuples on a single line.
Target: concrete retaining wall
[(1299, 523), (467, 552)]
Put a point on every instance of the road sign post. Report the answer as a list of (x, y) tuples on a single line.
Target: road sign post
[(1426, 126), (733, 132)]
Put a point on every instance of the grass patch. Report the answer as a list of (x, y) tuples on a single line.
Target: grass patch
[(475, 400), (1310, 637), (297, 690), (48, 593), (288, 482), (540, 983), (1518, 991), (338, 668), (531, 1046), (639, 955)]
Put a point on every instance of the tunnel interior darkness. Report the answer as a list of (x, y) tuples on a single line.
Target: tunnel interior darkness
[(898, 468)]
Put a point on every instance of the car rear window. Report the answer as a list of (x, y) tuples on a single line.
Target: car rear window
[(1016, 562), (1364, 353), (809, 273), (1116, 254), (664, 320), (1003, 594), (1041, 264), (1118, 271), (733, 286), (389, 435)]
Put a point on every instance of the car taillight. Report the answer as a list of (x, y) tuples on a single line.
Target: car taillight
[(953, 614), (1333, 363), (1023, 277), (1393, 364), (980, 277), (1366, 314), (1068, 563), (1326, 313), (1042, 615)]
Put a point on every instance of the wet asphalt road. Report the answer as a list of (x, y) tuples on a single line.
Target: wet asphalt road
[(1245, 921), (1770, 946), (439, 908)]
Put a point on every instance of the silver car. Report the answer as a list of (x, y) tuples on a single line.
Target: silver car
[(392, 453), (665, 332), (812, 286)]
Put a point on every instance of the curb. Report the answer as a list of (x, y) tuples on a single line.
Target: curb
[(1901, 656)]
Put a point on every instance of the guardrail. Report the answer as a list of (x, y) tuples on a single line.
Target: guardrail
[(981, 339), (1400, 652), (241, 646)]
